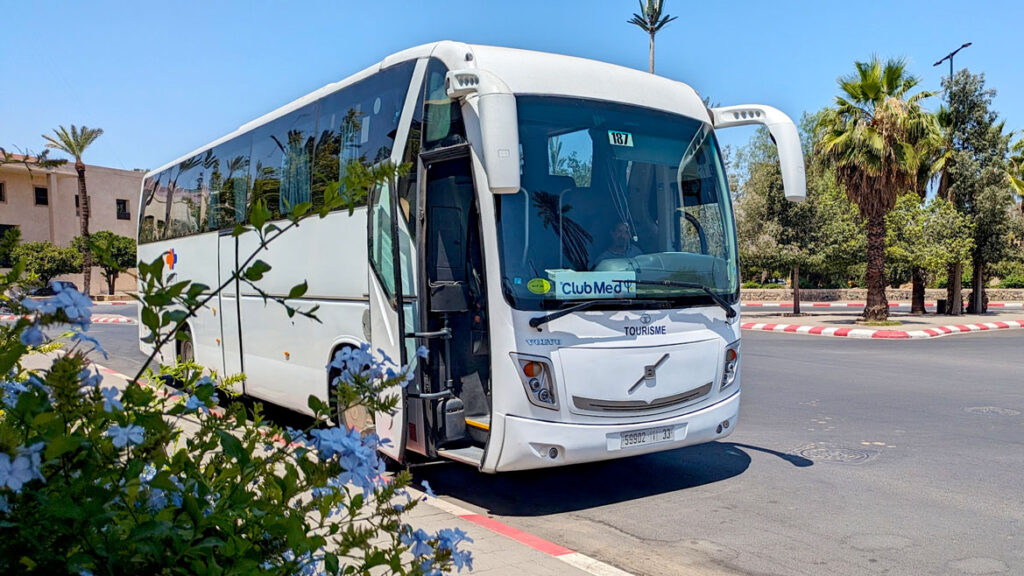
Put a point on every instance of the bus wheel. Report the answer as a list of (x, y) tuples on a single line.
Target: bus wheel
[(357, 416)]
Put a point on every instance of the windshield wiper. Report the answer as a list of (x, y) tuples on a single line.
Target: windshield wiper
[(729, 312), (537, 321)]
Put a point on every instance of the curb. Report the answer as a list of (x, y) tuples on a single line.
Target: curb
[(874, 333), (862, 304), (570, 557)]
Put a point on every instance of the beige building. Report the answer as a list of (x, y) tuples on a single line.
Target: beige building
[(44, 205)]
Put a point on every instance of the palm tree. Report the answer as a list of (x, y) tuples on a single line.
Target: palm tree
[(1017, 171), (875, 137), (73, 144), (651, 20)]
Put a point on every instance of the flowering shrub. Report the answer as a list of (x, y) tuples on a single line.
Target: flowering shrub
[(97, 479)]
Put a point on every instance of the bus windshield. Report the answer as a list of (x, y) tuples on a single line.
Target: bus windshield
[(617, 202)]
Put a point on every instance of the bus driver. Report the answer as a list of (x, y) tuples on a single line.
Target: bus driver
[(621, 246)]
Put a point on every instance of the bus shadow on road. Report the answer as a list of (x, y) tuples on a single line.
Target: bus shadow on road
[(583, 486)]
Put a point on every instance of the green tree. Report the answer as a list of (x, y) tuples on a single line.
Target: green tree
[(74, 143), (651, 20), (928, 238), (1016, 173), (47, 261), (8, 242), (872, 139), (111, 252), (976, 174)]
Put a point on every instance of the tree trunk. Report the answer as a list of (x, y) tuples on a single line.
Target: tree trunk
[(764, 276), (111, 280), (796, 288), (83, 211), (917, 297), (954, 296), (977, 303), (652, 53), (877, 308)]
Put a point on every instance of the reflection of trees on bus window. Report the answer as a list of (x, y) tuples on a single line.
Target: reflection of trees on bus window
[(553, 213), (281, 152), (442, 123)]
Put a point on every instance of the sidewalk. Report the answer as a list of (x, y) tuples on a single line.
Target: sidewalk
[(498, 549), (841, 322)]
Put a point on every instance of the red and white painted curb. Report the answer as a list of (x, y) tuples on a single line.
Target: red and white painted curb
[(875, 333), (862, 304), (112, 303), (570, 557)]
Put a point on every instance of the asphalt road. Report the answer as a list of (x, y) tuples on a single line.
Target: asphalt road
[(851, 457)]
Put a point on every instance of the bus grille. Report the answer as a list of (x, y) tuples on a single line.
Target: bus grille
[(640, 405)]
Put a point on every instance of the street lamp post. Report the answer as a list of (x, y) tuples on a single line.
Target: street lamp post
[(950, 58), (955, 306)]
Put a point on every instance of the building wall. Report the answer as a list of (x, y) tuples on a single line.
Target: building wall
[(59, 222)]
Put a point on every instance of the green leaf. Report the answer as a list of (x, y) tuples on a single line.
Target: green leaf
[(298, 291), (331, 563), (62, 445), (239, 230), (259, 215), (232, 446), (256, 271)]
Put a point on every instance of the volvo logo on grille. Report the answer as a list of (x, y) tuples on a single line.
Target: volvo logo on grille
[(650, 372)]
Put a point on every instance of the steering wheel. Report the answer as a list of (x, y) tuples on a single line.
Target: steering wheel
[(700, 231)]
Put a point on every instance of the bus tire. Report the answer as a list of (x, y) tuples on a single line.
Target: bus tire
[(358, 416)]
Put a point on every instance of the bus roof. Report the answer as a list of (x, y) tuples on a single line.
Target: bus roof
[(525, 72)]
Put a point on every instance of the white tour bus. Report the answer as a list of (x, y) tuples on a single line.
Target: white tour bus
[(565, 247)]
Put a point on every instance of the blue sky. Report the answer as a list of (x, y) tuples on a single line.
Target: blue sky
[(163, 78)]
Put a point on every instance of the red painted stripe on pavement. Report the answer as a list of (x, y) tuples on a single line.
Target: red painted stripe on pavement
[(816, 330), (890, 334), (932, 332), (747, 325), (962, 328), (790, 328), (981, 327), (1001, 324), (945, 329), (535, 542), (821, 305), (753, 304), (996, 304), (843, 332), (769, 327)]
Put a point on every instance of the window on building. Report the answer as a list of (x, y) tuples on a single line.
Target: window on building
[(42, 196), (122, 210), (3, 192)]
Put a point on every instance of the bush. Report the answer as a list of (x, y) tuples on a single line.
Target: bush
[(99, 480), (1012, 281), (46, 261)]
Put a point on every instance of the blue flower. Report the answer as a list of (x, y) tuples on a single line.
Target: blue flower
[(417, 542), (428, 489), (423, 352), (32, 336), (194, 403), (131, 434), (76, 306), (11, 391), (110, 399), (148, 473), (4, 506), (14, 472), (157, 499), (90, 380)]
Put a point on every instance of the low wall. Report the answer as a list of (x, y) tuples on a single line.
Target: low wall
[(125, 282), (861, 294)]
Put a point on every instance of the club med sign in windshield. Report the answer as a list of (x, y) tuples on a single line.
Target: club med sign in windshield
[(573, 285)]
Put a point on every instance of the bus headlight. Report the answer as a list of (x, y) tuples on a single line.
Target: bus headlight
[(731, 365), (538, 380)]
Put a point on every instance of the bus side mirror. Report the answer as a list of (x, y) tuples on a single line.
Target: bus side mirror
[(784, 134), (499, 125)]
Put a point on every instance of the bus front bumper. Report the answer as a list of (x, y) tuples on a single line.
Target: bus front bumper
[(532, 444)]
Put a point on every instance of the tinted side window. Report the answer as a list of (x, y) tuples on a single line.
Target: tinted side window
[(443, 124), (147, 219), (183, 198), (359, 124), (229, 183), (280, 165)]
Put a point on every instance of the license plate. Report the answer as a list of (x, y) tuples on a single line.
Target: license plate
[(646, 437)]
